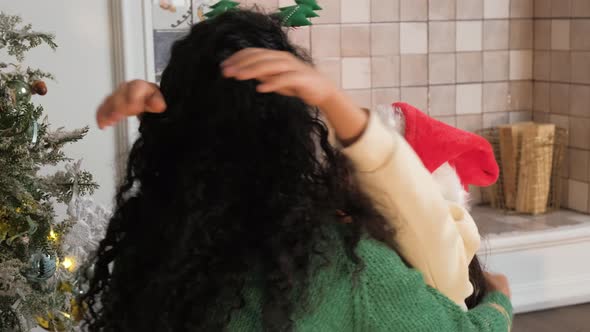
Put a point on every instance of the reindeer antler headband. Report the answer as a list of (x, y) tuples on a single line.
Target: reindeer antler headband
[(292, 16)]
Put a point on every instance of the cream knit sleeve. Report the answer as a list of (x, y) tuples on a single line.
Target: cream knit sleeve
[(429, 230)]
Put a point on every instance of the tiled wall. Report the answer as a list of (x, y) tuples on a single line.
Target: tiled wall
[(470, 63), (562, 86), (466, 62)]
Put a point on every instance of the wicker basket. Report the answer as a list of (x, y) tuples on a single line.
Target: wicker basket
[(536, 151)]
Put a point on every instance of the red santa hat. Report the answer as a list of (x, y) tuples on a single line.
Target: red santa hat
[(437, 143)]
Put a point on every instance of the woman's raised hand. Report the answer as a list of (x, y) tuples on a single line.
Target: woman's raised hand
[(280, 72)]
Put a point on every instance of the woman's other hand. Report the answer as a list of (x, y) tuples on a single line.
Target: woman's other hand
[(130, 99), (498, 282)]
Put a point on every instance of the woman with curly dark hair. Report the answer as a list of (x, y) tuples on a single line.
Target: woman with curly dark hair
[(238, 214)]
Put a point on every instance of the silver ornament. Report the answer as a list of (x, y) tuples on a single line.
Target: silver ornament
[(42, 266)]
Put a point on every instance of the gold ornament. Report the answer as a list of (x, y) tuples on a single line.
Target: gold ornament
[(51, 322)]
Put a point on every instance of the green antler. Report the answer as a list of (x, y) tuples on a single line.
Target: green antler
[(295, 16), (292, 16), (221, 7)]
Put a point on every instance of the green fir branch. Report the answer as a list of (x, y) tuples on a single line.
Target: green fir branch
[(20, 40)]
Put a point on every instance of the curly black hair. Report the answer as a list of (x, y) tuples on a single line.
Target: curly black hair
[(227, 181)]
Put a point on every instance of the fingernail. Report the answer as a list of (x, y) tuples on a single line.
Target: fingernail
[(229, 71)]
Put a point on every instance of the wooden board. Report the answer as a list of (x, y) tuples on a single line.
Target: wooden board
[(535, 165), (510, 141)]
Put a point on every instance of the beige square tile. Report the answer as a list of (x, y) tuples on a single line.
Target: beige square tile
[(469, 36), (469, 67), (565, 166), (384, 10), (356, 73), (495, 66), (496, 8), (581, 8), (579, 133), (564, 192), (385, 39), (416, 96), (330, 13), (521, 116), (560, 35), (560, 66), (521, 95), (469, 99), (469, 9), (332, 68), (580, 100), (361, 97), (521, 34), (325, 41), (495, 97), (581, 67), (521, 8), (441, 10), (495, 34), (579, 34), (541, 96), (355, 11), (441, 68), (414, 38), (414, 70), (542, 65), (578, 195), (441, 37), (560, 98), (356, 40), (521, 65), (450, 120), (470, 123), (561, 121), (495, 119), (442, 100), (542, 8), (413, 10), (541, 117), (579, 162), (542, 34), (301, 37), (385, 71), (561, 8), (384, 96)]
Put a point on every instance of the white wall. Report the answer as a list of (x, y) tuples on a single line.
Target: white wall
[(82, 66)]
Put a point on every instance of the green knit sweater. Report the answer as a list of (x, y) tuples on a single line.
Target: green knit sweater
[(386, 296)]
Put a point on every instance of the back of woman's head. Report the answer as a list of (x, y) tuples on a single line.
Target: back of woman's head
[(226, 183)]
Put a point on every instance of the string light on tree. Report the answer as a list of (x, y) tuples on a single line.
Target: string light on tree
[(52, 236), (69, 264)]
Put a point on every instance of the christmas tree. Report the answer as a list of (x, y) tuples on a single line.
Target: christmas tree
[(297, 15), (38, 274), (221, 7)]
